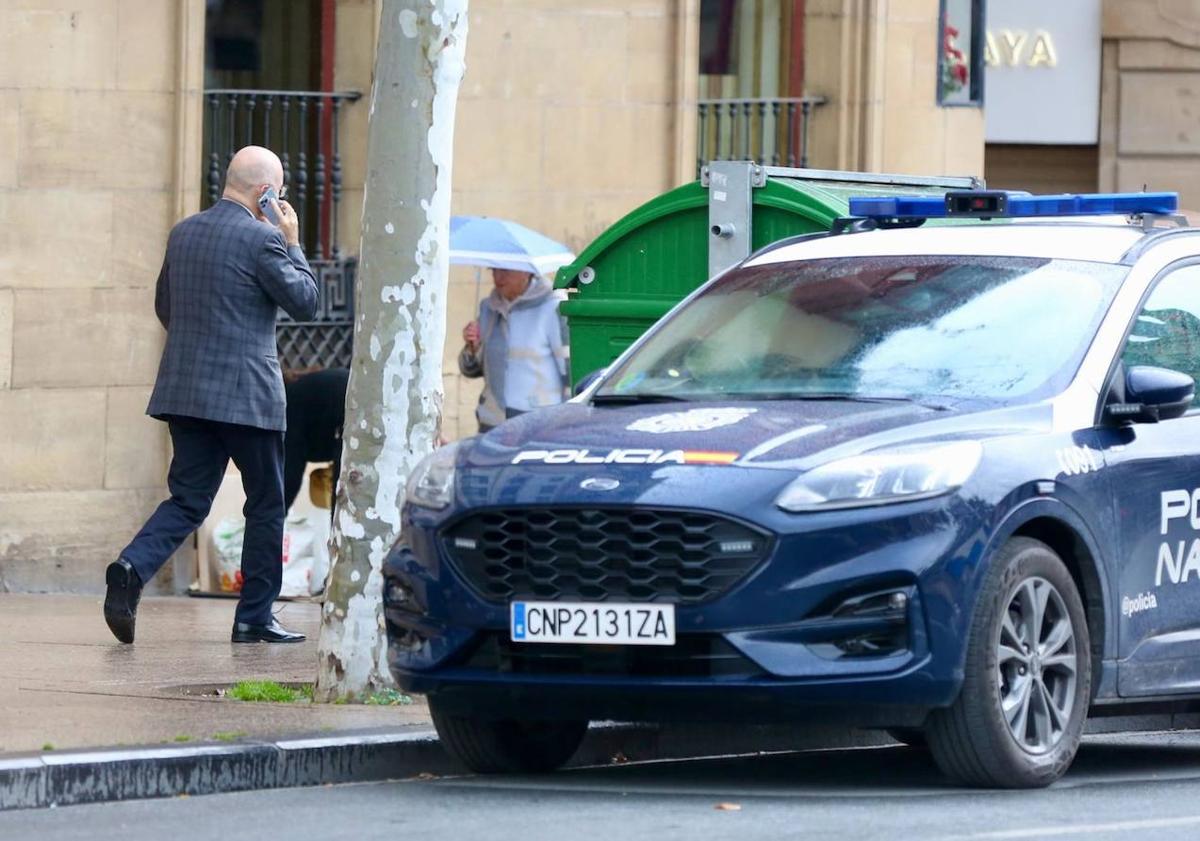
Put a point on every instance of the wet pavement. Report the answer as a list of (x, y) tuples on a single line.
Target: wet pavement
[(69, 684)]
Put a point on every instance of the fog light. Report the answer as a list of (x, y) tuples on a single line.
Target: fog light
[(397, 594), (876, 605), (406, 640), (868, 625), (737, 547)]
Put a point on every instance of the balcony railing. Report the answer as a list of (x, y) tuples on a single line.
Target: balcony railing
[(302, 128), (772, 132)]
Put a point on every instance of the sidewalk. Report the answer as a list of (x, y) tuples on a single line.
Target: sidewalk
[(86, 719), (69, 684)]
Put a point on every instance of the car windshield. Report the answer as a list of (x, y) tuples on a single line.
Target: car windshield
[(997, 328)]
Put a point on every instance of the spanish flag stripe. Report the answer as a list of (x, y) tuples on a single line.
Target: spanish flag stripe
[(708, 457)]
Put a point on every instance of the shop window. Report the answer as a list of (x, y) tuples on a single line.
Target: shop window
[(960, 53)]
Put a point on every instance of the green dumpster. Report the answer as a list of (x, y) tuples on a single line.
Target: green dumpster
[(649, 260)]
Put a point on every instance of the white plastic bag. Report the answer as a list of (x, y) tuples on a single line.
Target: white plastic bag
[(305, 554), (227, 540)]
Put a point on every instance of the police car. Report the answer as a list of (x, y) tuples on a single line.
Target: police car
[(941, 479)]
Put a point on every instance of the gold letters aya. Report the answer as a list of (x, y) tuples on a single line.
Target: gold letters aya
[(1014, 47)]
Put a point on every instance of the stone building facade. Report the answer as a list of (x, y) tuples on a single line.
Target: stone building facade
[(571, 114), (1150, 97), (98, 156)]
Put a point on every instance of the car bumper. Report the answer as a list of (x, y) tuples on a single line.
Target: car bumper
[(787, 641)]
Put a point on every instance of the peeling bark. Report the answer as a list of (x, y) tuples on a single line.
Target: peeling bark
[(394, 400)]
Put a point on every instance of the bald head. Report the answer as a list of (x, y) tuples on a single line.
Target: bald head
[(252, 169)]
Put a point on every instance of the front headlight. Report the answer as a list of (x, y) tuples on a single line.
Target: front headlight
[(431, 485), (898, 475)]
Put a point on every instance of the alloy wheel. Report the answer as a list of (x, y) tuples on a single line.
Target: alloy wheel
[(1037, 665)]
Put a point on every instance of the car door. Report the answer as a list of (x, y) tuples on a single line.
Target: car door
[(1155, 477)]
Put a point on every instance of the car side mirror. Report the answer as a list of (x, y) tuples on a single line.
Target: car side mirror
[(1153, 395), (586, 383)]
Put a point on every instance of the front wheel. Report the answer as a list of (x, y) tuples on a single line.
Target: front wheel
[(1019, 718), (507, 746)]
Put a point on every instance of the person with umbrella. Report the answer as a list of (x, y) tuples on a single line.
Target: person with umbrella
[(518, 344)]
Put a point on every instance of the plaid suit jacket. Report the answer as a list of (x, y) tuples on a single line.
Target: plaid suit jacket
[(224, 278)]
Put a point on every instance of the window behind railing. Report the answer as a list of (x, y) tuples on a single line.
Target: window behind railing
[(769, 131), (269, 79), (299, 126)]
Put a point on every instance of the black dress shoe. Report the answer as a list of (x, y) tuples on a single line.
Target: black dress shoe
[(271, 632), (121, 600)]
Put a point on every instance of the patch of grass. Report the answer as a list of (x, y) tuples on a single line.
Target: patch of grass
[(306, 692), (47, 746), (263, 690), (183, 738), (229, 735), (388, 698)]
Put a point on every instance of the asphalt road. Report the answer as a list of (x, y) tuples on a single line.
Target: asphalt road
[(1145, 785)]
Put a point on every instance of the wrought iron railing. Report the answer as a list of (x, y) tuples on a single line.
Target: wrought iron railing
[(302, 128), (327, 340), (773, 132)]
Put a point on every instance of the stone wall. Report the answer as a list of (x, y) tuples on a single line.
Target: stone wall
[(97, 98), (1150, 100)]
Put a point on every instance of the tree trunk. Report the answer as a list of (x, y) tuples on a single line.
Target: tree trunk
[(394, 402)]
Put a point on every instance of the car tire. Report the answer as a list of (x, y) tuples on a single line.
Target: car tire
[(1019, 717), (507, 746)]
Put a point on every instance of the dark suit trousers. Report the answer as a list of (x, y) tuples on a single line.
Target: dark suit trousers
[(202, 452)]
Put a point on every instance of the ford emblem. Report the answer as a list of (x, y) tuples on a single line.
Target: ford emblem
[(599, 483)]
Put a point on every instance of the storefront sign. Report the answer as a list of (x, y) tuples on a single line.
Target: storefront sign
[(1017, 48), (1042, 80)]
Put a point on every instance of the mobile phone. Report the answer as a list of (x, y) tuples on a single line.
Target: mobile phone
[(266, 206)]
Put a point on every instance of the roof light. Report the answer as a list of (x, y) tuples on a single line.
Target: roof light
[(989, 204)]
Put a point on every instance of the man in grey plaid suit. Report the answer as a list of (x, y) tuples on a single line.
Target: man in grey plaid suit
[(226, 273)]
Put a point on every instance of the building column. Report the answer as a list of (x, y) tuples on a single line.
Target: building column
[(687, 88), (189, 108)]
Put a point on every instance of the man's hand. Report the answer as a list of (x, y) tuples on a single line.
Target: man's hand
[(289, 224), (471, 336)]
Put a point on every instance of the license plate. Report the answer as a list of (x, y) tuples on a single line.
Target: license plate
[(597, 623)]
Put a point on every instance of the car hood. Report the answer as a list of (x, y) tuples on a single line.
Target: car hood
[(734, 457), (793, 434)]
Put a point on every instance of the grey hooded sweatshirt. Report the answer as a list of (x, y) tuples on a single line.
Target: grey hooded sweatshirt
[(523, 359)]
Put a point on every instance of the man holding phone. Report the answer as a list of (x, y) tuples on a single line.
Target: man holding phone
[(226, 273)]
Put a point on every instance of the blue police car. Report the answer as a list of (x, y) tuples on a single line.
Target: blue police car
[(941, 479)]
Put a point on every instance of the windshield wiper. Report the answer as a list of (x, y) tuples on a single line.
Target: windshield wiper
[(633, 398), (831, 396)]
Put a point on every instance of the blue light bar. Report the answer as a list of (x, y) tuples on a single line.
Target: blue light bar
[(995, 204)]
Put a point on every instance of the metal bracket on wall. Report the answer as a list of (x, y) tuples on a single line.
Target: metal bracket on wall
[(730, 210)]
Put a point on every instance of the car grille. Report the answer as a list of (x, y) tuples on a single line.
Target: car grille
[(636, 555)]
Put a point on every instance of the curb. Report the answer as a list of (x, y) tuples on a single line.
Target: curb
[(67, 778), (89, 776)]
